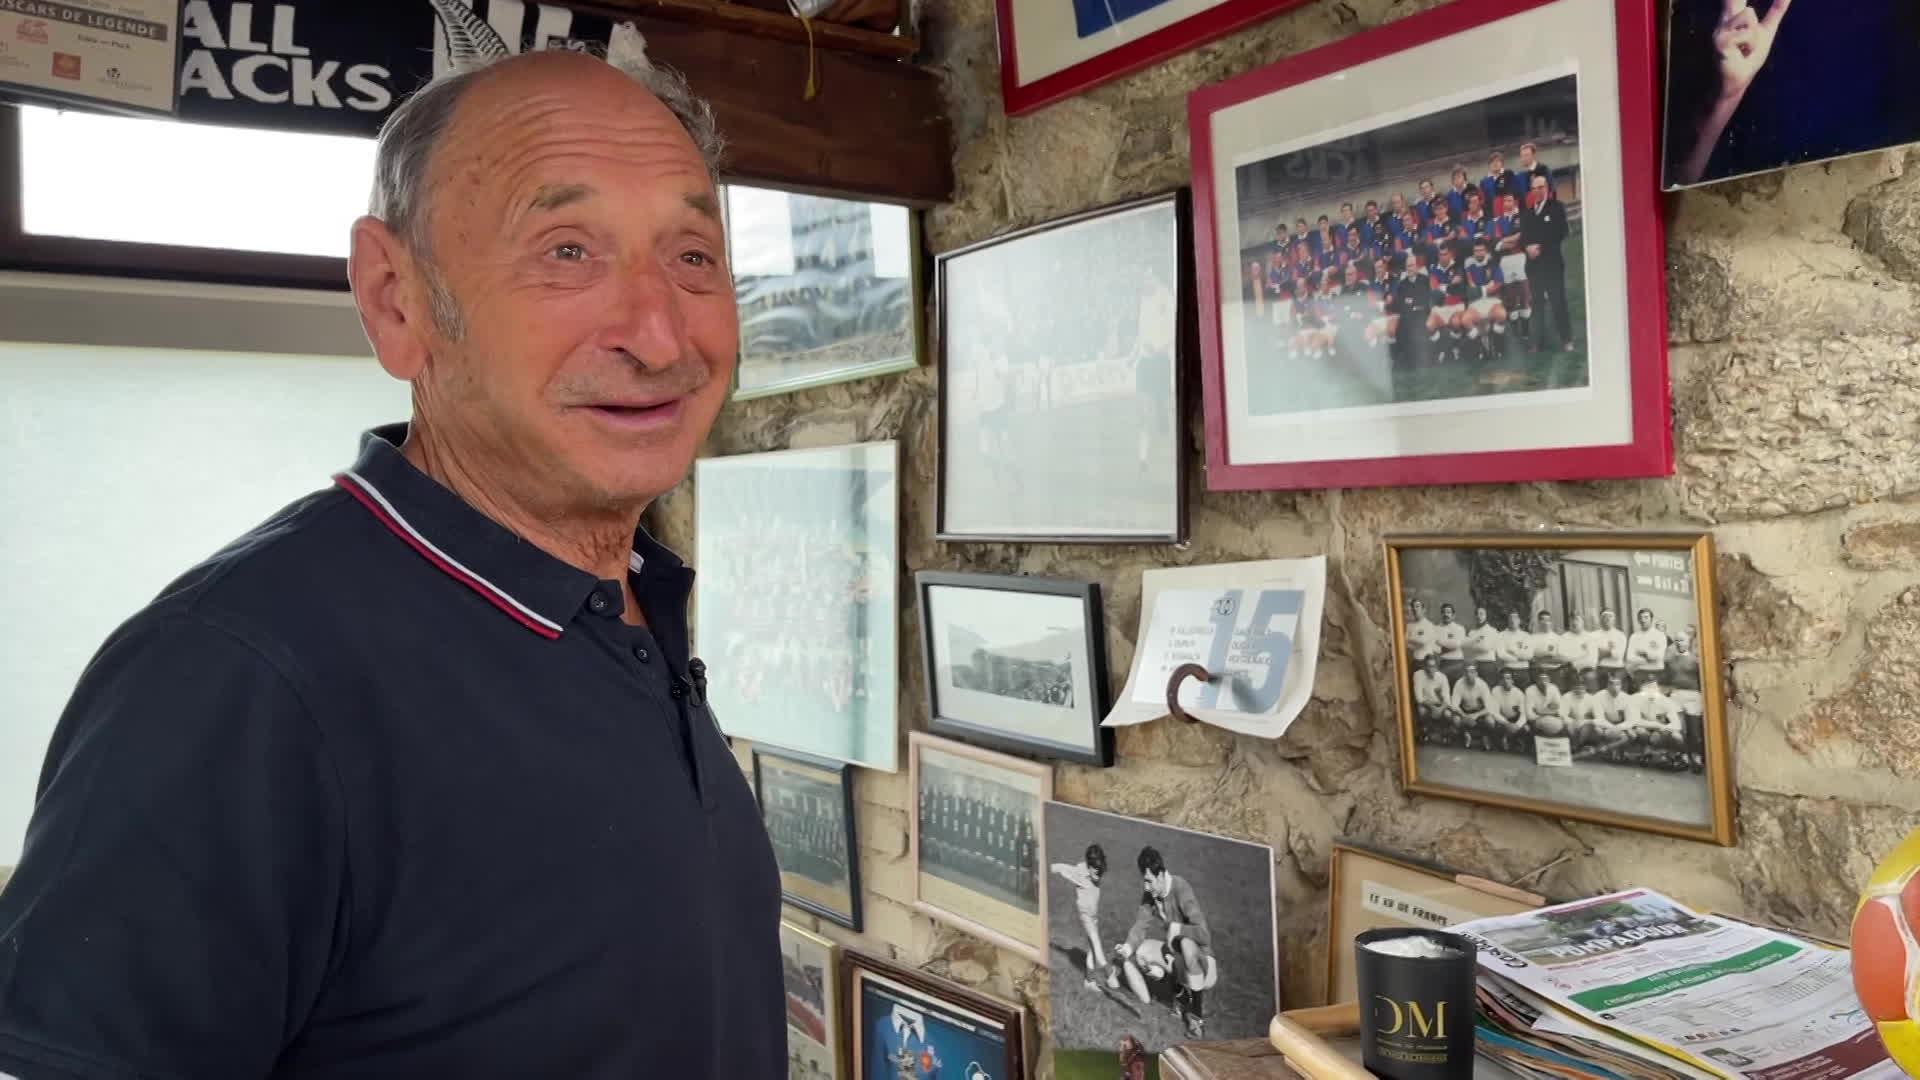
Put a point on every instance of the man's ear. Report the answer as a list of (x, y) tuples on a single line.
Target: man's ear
[(384, 278)]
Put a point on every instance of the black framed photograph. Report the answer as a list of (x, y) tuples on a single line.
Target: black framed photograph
[(907, 1023), (1016, 663), (1062, 352), (1158, 936), (979, 861), (807, 806), (1575, 675), (829, 289)]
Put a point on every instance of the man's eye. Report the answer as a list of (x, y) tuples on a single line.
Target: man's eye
[(697, 258), (570, 252)]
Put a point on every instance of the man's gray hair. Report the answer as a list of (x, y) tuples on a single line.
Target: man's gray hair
[(414, 130)]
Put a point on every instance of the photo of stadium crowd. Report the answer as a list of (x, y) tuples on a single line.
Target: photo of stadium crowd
[(1437, 257), (1570, 676), (1009, 675)]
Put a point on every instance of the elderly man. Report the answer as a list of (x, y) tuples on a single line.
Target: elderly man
[(417, 779)]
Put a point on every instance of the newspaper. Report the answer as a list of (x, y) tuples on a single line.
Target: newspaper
[(1255, 626), (1698, 992)]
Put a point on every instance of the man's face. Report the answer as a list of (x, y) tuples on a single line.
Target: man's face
[(1419, 610), (1346, 213), (1576, 624), (1510, 205), (1513, 620), (1446, 613), (576, 228), (1539, 187), (1545, 624), (1426, 189), (1399, 203), (1506, 680), (1157, 884), (1480, 616), (1526, 157), (1496, 164), (1373, 208), (1300, 226), (1606, 620), (1646, 620)]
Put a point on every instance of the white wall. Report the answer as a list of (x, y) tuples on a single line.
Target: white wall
[(122, 467)]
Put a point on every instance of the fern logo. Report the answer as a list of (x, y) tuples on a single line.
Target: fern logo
[(464, 37)]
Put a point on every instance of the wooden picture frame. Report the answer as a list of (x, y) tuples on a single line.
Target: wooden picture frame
[(1368, 889), (814, 1030), (1414, 374), (824, 351), (1668, 756), (1016, 464), (959, 1025), (803, 886), (997, 713), (983, 869), (1177, 26)]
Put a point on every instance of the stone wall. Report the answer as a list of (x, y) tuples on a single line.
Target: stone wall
[(1796, 383)]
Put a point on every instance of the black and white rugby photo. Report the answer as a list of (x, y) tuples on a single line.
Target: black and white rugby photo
[(1155, 936), (1060, 353), (1578, 680), (976, 843), (807, 804), (1017, 663), (1436, 257)]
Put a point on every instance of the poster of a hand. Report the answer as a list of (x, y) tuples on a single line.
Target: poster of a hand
[(1756, 85)]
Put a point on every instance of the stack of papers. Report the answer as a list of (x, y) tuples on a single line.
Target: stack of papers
[(1633, 986)]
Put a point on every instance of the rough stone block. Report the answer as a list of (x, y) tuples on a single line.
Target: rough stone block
[(1884, 544), (1762, 620), (1878, 709)]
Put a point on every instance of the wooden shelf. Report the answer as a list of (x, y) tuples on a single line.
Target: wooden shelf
[(739, 18)]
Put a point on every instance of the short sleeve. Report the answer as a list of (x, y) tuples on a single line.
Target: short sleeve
[(178, 902)]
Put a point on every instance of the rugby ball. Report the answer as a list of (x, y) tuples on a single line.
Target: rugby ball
[(1886, 952)]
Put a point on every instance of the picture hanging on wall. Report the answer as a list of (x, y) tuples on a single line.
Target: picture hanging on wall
[(1156, 936), (1016, 663), (1060, 403), (979, 861), (908, 1023), (796, 611), (1051, 50), (1569, 674), (1758, 86), (811, 972), (828, 289), (1414, 270), (807, 806)]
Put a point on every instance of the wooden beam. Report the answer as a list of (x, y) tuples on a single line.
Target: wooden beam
[(877, 129), (749, 20)]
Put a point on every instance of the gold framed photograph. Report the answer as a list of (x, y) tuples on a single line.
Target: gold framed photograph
[(1370, 890), (1570, 674), (811, 972), (979, 858)]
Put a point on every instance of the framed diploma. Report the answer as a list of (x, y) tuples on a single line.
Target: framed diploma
[(118, 55)]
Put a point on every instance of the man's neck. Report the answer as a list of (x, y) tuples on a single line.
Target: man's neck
[(596, 543)]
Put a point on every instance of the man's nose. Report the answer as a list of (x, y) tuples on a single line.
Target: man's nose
[(647, 322)]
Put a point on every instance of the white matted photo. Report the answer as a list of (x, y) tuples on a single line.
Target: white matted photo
[(796, 611), (978, 855), (1156, 935), (1016, 663), (810, 969), (1575, 675)]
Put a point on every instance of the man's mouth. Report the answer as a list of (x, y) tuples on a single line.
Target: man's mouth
[(639, 414)]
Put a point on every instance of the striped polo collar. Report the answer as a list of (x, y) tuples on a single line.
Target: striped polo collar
[(526, 584)]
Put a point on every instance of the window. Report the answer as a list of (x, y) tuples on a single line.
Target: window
[(123, 468), (158, 198)]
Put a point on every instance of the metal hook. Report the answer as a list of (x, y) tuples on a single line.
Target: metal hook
[(1180, 675)]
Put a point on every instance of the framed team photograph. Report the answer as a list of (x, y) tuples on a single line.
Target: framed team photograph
[(796, 604), (1060, 400), (811, 970), (1156, 935), (1051, 50), (1418, 270), (828, 289), (979, 861), (1016, 663), (1369, 890), (807, 806), (1569, 674), (906, 1023), (1753, 86)]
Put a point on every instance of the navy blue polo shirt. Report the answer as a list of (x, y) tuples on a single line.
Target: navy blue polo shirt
[(382, 790)]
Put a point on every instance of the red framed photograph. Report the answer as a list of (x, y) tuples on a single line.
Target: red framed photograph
[(1432, 254), (1053, 49)]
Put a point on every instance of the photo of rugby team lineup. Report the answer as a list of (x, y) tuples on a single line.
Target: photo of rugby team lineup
[(1438, 257)]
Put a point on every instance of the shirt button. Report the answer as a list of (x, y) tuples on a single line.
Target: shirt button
[(597, 602), (641, 654)]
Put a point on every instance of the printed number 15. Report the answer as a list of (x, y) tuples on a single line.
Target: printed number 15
[(1276, 644)]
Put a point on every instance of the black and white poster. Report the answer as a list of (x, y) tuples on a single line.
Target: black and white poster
[(339, 66)]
